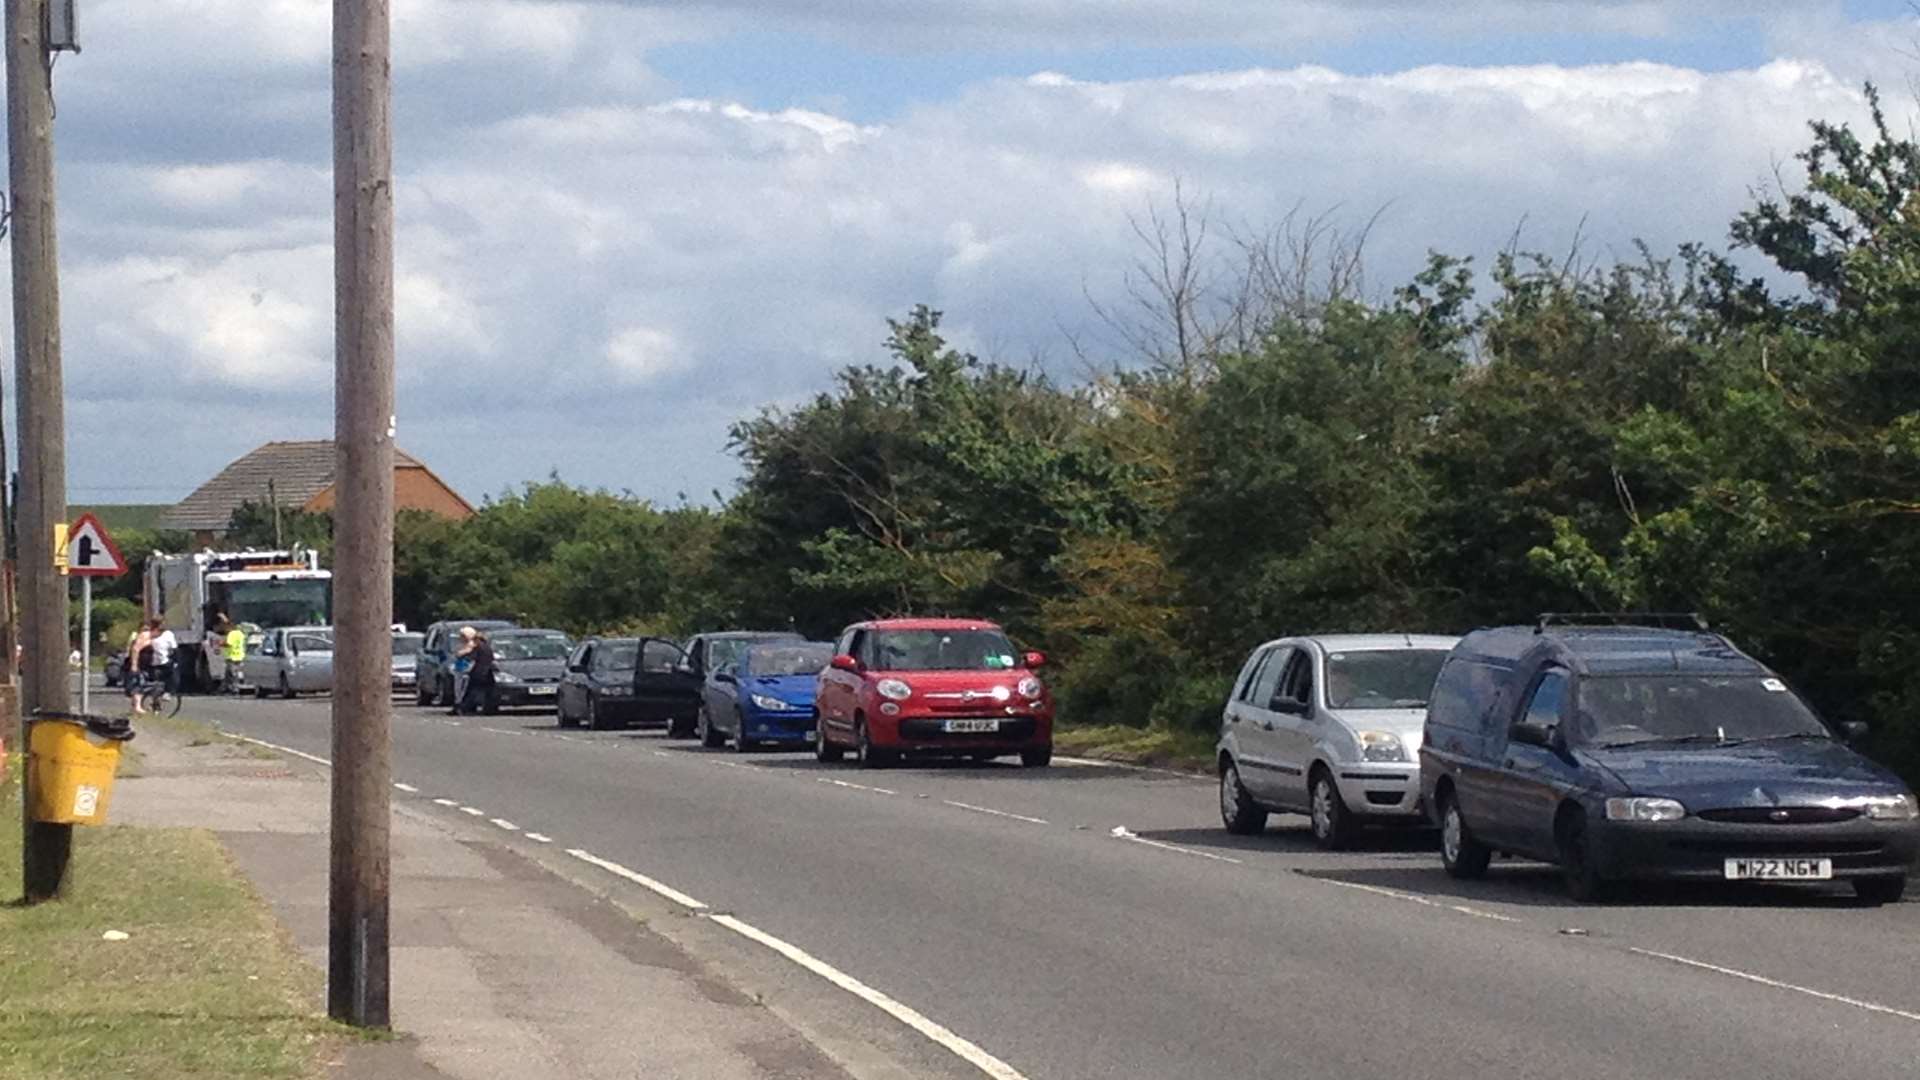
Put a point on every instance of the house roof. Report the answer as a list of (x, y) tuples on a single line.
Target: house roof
[(298, 470)]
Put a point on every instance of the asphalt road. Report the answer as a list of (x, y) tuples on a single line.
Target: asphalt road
[(999, 902)]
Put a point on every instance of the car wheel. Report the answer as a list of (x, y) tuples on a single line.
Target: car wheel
[(1880, 890), (595, 722), (1037, 758), (1238, 812), (1577, 866), (443, 691), (562, 716), (1333, 824), (871, 756), (824, 751), (710, 737), (286, 688), (1463, 856), (423, 695)]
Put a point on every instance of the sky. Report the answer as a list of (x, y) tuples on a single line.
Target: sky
[(623, 226)]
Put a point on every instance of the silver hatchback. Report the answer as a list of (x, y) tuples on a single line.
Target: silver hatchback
[(1328, 726)]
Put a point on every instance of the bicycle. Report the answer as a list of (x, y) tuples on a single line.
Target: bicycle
[(156, 698)]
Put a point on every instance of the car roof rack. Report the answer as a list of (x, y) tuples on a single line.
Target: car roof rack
[(1666, 620)]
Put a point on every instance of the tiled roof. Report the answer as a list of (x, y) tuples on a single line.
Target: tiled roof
[(299, 471)]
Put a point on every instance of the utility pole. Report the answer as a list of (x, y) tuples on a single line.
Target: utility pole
[(39, 400), (357, 971)]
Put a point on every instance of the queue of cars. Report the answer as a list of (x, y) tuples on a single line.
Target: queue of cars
[(1616, 752)]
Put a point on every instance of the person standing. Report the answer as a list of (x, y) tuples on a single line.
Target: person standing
[(138, 665), (234, 649), (165, 645), (480, 675)]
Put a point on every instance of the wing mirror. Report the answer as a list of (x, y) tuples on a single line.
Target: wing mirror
[(1853, 731), (724, 676), (845, 662), (1035, 660), (1534, 735), (1287, 705)]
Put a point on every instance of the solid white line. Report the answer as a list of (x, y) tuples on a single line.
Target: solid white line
[(446, 802), (1870, 1006), (995, 813), (906, 1014), (505, 824), (1398, 895), (408, 788), (856, 787), (1121, 832), (474, 810), (1102, 763), (283, 749), (643, 880), (730, 764), (539, 839)]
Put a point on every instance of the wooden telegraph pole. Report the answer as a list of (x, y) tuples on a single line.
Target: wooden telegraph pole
[(38, 399), (363, 516)]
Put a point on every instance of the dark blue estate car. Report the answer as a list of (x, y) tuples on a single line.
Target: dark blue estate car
[(1624, 752), (766, 696)]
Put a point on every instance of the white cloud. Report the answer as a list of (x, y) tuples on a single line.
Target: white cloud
[(644, 354)]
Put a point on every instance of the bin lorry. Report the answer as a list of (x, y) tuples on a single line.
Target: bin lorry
[(189, 594)]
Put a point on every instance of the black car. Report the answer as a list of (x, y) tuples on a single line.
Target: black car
[(618, 682), (1638, 752), (528, 666), (709, 652)]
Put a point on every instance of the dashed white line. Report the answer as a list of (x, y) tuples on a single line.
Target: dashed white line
[(640, 879), (730, 764), (283, 749), (505, 824), (1870, 1006), (856, 787), (539, 838), (1121, 832), (661, 753), (1398, 895), (446, 802), (913, 1018), (474, 811), (408, 788), (995, 813)]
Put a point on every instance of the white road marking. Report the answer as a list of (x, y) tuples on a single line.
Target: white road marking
[(539, 838), (1870, 1006), (995, 813), (1121, 832), (446, 802), (474, 810), (1101, 763), (283, 749), (913, 1018), (408, 788), (505, 824), (661, 753), (856, 787), (640, 879), (1398, 895)]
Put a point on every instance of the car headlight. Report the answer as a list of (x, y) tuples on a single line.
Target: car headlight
[(1382, 746), (1031, 687), (616, 691), (505, 678), (1892, 808), (894, 689), (1645, 810), (771, 704)]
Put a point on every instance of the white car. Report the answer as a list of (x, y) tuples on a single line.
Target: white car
[(1328, 726)]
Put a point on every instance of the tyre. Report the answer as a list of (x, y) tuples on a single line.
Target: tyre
[(1577, 866), (286, 688), (596, 722), (1463, 856), (1333, 824), (443, 691), (871, 756), (710, 737), (565, 718), (260, 692), (1880, 890), (423, 694), (824, 751), (1238, 812), (1038, 758)]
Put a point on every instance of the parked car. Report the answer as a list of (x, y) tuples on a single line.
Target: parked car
[(766, 696), (617, 682), (434, 669), (291, 660), (406, 662), (1328, 726), (708, 653), (528, 665), (933, 686), (1634, 752)]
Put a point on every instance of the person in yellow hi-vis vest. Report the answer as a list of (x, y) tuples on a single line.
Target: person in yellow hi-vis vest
[(233, 649)]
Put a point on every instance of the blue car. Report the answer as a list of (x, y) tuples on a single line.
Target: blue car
[(766, 696)]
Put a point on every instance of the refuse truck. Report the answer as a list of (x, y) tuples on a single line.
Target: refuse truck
[(189, 594)]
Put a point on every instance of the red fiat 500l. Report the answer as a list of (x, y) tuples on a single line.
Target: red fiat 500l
[(932, 686)]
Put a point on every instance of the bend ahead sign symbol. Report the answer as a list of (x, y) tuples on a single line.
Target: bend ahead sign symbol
[(91, 552)]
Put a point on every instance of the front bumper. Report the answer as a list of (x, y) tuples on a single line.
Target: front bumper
[(522, 695), (1693, 848), (796, 726), (1380, 789), (929, 734)]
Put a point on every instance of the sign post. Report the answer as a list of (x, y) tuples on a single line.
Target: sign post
[(89, 553)]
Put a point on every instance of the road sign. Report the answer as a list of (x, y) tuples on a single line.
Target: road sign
[(91, 552)]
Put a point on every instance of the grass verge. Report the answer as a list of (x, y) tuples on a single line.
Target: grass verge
[(1186, 750), (205, 986)]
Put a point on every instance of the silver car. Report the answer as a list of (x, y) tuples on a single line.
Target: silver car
[(406, 659), (1328, 726), (291, 660)]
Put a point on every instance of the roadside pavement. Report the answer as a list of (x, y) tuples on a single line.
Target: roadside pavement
[(500, 968)]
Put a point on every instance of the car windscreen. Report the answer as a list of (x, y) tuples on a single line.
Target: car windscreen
[(615, 655), (532, 647), (1622, 710), (1382, 678), (768, 660), (943, 650), (406, 644)]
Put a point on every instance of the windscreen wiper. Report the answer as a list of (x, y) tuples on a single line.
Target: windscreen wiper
[(1784, 736)]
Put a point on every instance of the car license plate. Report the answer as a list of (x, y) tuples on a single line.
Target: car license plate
[(540, 691), (957, 726), (1779, 869)]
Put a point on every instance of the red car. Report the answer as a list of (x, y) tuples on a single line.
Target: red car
[(932, 686)]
